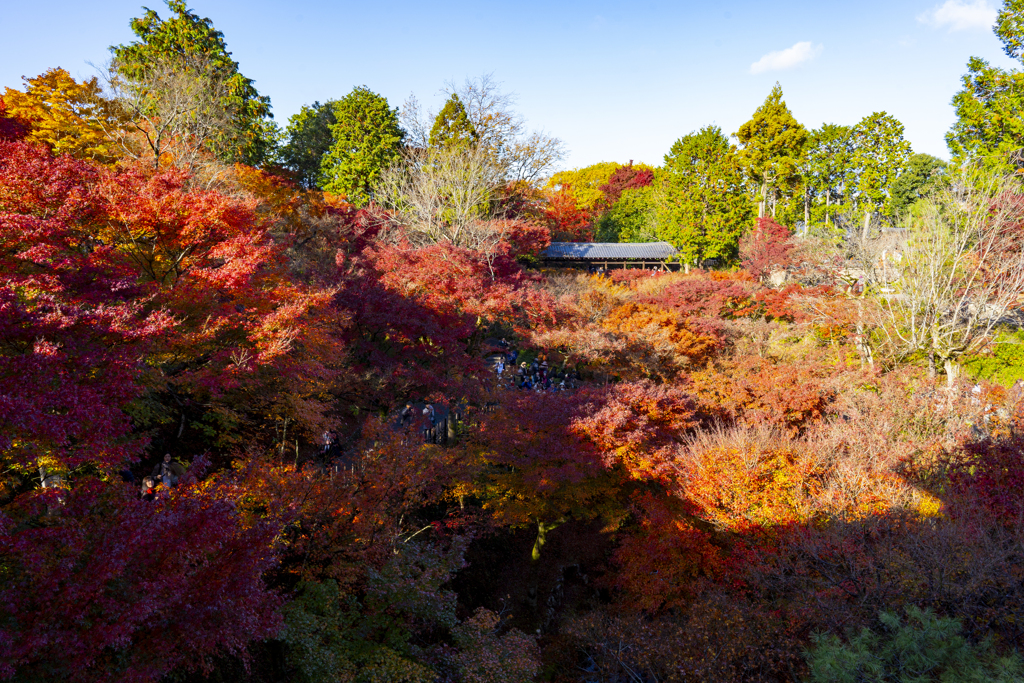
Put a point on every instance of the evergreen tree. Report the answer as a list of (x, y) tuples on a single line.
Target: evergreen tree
[(990, 117), (990, 106), (366, 139), (185, 36), (773, 143), (452, 127), (880, 156), (827, 172), (923, 172), (925, 647), (703, 208), (631, 219), (309, 139)]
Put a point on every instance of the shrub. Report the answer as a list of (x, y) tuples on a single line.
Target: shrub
[(924, 648)]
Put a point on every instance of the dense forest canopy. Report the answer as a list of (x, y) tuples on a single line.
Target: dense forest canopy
[(305, 403)]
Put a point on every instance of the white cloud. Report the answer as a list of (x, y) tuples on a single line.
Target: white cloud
[(960, 15), (786, 59)]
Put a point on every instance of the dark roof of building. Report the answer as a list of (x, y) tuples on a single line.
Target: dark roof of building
[(587, 251)]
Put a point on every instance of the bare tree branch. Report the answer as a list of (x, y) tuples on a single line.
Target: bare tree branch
[(959, 273)]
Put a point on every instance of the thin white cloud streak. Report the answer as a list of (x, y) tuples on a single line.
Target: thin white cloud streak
[(786, 59), (960, 15)]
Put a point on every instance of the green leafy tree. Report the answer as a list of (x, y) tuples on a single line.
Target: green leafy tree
[(366, 139), (309, 139), (880, 156), (631, 219), (334, 635), (922, 174), (990, 105), (773, 143), (703, 208), (989, 117), (180, 40), (925, 647), (1009, 28), (452, 127), (827, 172)]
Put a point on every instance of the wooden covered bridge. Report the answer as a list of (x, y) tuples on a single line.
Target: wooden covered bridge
[(609, 255)]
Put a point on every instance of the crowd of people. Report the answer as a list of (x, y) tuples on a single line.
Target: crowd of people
[(536, 375)]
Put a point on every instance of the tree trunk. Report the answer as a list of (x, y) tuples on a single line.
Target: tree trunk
[(867, 226), (764, 200), (807, 211), (542, 532), (863, 346), (828, 204), (931, 365), (952, 371)]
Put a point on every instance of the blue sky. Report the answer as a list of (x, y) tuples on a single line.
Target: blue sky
[(614, 81)]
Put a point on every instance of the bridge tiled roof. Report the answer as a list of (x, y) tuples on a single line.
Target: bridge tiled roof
[(610, 251)]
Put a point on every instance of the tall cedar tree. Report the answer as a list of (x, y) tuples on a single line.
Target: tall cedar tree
[(827, 171), (186, 35), (452, 127), (309, 139), (366, 139), (705, 209), (880, 155), (773, 143), (990, 105)]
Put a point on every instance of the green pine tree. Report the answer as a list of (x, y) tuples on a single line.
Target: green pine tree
[(366, 139), (989, 108), (253, 138), (703, 208), (922, 174), (880, 156), (827, 173), (309, 139), (925, 647), (452, 127), (772, 148)]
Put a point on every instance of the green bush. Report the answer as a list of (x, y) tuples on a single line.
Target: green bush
[(1004, 364), (924, 648)]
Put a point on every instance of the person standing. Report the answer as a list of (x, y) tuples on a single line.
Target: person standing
[(168, 471), (428, 422)]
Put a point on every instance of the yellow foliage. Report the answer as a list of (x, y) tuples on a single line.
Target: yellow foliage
[(67, 116), (585, 183), (928, 505)]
